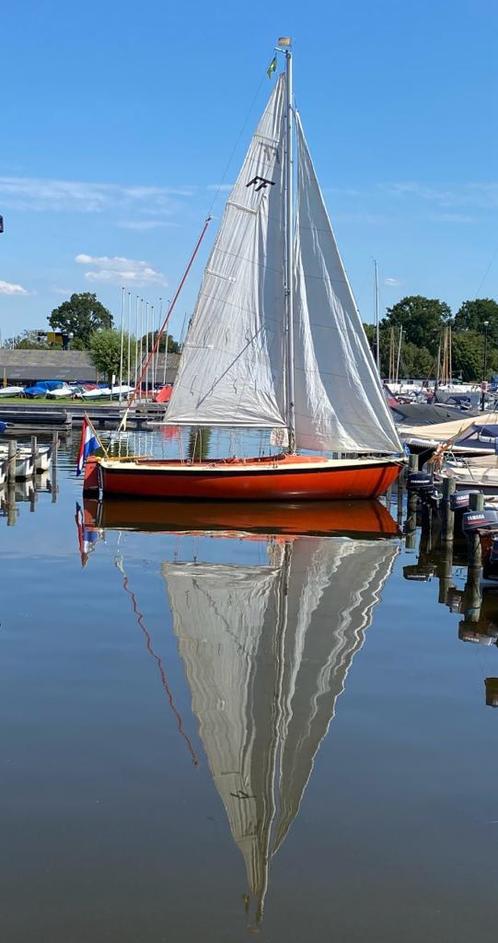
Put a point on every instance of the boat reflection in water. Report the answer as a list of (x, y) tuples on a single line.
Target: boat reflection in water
[(267, 647)]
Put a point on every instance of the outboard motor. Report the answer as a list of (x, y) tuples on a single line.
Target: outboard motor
[(460, 500), (421, 482), (472, 520)]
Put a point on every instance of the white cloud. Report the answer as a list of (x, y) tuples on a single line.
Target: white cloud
[(143, 225), (220, 187), (35, 193), (482, 195), (120, 271), (391, 282), (10, 288)]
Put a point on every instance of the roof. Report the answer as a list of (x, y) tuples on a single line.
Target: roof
[(29, 365)]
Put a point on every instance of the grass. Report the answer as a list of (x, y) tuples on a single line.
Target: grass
[(60, 401)]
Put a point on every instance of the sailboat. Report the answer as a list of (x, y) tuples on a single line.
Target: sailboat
[(267, 648), (276, 343)]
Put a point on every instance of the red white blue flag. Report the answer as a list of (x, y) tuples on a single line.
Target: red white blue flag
[(88, 445)]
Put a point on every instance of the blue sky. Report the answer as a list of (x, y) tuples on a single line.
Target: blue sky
[(119, 119)]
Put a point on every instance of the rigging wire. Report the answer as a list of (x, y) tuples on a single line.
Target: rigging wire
[(157, 658)]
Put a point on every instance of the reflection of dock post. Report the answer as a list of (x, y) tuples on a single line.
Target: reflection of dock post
[(399, 495), (53, 466), (491, 685), (11, 483), (34, 459), (448, 515), (411, 518), (474, 573), (446, 573), (34, 452)]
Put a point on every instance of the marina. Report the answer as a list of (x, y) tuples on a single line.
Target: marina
[(248, 475), (293, 699)]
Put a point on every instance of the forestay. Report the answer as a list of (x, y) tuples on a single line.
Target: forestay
[(231, 370), (338, 397)]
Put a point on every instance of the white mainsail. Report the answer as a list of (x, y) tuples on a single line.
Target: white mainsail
[(338, 397), (266, 652), (231, 369)]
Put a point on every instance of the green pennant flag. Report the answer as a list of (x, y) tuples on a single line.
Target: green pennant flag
[(272, 67)]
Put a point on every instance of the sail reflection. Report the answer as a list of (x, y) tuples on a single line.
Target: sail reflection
[(267, 649)]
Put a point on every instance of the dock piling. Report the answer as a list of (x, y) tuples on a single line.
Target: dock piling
[(448, 524)]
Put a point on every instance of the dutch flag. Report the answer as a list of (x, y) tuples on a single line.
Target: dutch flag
[(89, 444)]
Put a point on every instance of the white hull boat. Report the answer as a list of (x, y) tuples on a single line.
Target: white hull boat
[(466, 436), (11, 390), (479, 472)]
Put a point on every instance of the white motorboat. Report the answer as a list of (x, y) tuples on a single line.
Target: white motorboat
[(62, 391), (465, 436), (473, 472), (11, 390)]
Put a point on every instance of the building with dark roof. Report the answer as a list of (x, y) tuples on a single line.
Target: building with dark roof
[(27, 366)]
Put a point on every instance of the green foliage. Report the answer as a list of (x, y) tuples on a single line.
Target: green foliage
[(472, 314), (416, 362), (173, 346), (81, 316), (28, 340), (105, 351), (468, 356), (422, 320), (198, 444)]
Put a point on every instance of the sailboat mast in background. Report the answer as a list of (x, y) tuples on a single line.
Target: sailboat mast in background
[(377, 323)]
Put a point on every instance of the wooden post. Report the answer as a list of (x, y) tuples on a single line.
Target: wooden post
[(412, 462), (448, 528), (53, 466)]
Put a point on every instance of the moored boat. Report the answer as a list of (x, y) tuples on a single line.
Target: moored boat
[(276, 343)]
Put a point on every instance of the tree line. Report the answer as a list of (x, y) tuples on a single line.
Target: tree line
[(86, 324), (474, 337)]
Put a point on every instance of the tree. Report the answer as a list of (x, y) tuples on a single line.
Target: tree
[(105, 351), (173, 346), (28, 340), (472, 314), (81, 316), (422, 320)]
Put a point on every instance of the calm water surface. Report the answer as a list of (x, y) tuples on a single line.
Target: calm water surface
[(208, 735)]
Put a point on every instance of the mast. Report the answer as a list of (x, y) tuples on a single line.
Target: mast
[(377, 326), (289, 247)]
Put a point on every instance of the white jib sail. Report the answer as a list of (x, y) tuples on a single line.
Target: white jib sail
[(339, 401), (231, 369)]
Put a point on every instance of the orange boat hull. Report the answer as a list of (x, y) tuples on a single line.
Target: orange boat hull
[(284, 479)]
